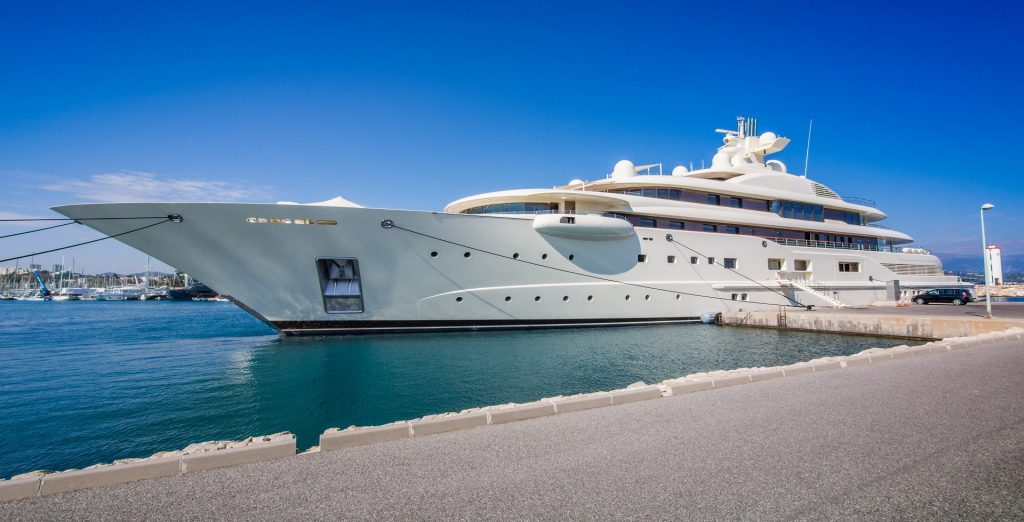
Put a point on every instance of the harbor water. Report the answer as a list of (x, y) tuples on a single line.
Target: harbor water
[(89, 382)]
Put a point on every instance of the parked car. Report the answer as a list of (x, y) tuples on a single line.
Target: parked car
[(957, 296)]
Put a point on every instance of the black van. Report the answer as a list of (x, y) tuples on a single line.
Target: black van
[(957, 296)]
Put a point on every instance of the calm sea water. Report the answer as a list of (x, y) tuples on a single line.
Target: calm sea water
[(89, 382)]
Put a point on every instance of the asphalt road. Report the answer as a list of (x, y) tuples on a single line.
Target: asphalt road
[(933, 437), (1001, 310)]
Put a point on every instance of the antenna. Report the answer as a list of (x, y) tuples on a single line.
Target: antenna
[(807, 155)]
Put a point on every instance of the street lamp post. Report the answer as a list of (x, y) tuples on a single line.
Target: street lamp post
[(984, 260)]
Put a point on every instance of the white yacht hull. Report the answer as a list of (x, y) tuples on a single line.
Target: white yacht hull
[(270, 268)]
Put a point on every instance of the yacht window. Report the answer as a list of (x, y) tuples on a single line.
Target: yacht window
[(729, 262), (650, 193), (693, 260), (671, 259), (641, 258), (340, 285), (849, 267), (743, 297), (713, 199), (645, 222), (710, 228), (775, 264), (662, 193), (674, 194), (732, 230), (734, 296), (711, 260), (801, 265), (675, 225), (736, 202)]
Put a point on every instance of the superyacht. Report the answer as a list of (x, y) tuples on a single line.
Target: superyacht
[(635, 246)]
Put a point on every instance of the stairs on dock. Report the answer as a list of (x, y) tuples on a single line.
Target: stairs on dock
[(811, 287)]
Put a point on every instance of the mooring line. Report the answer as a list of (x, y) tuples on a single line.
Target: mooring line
[(81, 219), (38, 230), (791, 299), (388, 223), (172, 218)]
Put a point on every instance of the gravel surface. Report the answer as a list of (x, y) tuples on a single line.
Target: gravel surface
[(933, 437)]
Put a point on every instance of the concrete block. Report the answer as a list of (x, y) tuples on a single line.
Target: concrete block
[(635, 394), (569, 404), (16, 489), (731, 381), (823, 366), (680, 388), (522, 412), (764, 376), (462, 421), (901, 354), (54, 483), (232, 457), (858, 361), (880, 357), (939, 347), (334, 440), (959, 345), (798, 369)]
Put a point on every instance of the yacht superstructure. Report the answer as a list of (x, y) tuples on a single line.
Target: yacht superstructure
[(636, 246)]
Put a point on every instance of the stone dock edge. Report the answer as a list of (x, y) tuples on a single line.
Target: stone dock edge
[(218, 454)]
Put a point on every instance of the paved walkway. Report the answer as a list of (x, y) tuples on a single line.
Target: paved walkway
[(934, 437)]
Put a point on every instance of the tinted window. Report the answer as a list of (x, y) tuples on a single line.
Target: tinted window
[(713, 199)]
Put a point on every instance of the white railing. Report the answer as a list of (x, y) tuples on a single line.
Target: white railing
[(824, 244)]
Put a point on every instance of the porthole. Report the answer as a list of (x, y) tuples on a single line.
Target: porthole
[(565, 298), (677, 297), (536, 298), (544, 256), (466, 255), (433, 254), (590, 298), (647, 298), (515, 256), (627, 297), (458, 299), (508, 298), (572, 256)]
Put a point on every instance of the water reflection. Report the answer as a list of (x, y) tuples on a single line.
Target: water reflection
[(118, 380)]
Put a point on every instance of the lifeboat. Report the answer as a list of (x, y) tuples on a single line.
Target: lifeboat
[(585, 227)]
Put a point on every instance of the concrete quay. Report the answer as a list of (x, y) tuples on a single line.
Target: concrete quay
[(926, 322), (929, 432)]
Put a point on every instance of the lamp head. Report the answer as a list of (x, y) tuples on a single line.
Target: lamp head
[(988, 206)]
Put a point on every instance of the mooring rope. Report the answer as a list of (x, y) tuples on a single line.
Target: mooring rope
[(81, 219), (171, 218), (38, 230), (388, 223), (737, 272)]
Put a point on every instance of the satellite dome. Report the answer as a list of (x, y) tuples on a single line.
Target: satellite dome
[(623, 169), (768, 138), (776, 165), (575, 181), (721, 160), (679, 171)]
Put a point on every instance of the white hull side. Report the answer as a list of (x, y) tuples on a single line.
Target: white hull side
[(270, 268)]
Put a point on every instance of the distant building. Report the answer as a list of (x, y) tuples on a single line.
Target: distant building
[(57, 268), (35, 267), (994, 264)]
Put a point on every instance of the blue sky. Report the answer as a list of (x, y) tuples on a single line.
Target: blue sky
[(916, 106)]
